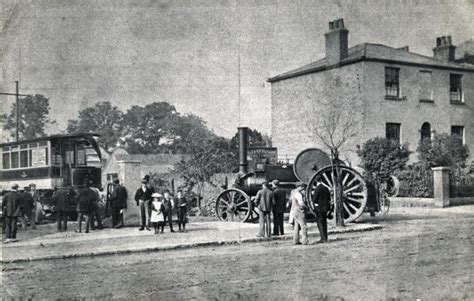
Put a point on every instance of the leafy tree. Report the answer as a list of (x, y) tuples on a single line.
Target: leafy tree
[(103, 119), (208, 154), (34, 111), (382, 157), (443, 150), (151, 129), (255, 139)]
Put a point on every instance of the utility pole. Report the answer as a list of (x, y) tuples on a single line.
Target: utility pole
[(17, 95), (17, 112)]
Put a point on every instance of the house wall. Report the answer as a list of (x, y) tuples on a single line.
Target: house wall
[(296, 100), (363, 88), (411, 112)]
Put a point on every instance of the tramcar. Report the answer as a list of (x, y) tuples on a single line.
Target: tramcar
[(54, 162)]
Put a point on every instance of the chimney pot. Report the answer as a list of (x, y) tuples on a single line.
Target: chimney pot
[(341, 23), (331, 25), (444, 49)]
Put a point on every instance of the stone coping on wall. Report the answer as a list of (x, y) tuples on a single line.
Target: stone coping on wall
[(428, 202), (461, 201), (412, 202)]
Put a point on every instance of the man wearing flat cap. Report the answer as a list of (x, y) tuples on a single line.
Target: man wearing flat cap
[(298, 207), (12, 210), (263, 201), (118, 201), (279, 205), (143, 199)]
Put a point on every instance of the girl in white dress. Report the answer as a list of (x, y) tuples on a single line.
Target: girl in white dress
[(157, 208)]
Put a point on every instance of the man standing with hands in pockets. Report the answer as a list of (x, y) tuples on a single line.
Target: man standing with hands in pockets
[(321, 199)]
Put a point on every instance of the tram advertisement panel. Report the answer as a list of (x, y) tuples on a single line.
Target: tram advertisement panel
[(38, 157)]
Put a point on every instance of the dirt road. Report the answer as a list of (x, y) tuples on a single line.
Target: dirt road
[(425, 255)]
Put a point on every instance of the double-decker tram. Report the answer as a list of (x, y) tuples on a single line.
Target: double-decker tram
[(58, 161)]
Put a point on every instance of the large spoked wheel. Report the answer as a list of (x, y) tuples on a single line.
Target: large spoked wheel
[(353, 187), (233, 205)]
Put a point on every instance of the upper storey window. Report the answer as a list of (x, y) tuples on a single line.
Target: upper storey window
[(455, 88), (392, 83)]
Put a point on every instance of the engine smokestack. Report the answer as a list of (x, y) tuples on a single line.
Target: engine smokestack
[(243, 144)]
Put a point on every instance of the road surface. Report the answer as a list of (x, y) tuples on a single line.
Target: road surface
[(421, 254)]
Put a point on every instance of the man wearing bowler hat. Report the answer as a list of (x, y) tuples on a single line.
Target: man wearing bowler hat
[(321, 199), (279, 205), (143, 199), (12, 210), (118, 202)]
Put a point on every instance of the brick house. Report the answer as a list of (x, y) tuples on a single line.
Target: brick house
[(396, 93)]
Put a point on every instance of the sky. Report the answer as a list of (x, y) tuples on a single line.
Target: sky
[(210, 58)]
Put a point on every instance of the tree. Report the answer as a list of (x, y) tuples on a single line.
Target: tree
[(334, 120), (383, 157), (103, 119), (443, 150), (151, 129), (207, 155), (34, 111)]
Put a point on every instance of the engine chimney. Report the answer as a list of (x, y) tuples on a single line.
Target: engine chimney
[(243, 144), (444, 49), (336, 42)]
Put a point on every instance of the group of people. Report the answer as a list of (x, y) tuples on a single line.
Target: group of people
[(156, 209), (272, 200), (17, 205)]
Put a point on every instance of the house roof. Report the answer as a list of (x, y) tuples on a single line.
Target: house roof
[(375, 52)]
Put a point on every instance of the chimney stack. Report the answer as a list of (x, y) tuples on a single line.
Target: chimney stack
[(444, 49), (243, 144), (336, 42)]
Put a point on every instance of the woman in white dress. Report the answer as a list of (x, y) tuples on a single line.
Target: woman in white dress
[(157, 208)]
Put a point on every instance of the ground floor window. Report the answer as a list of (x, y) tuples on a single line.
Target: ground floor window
[(457, 130), (426, 131), (392, 131)]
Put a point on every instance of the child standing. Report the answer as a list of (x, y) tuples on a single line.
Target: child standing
[(157, 208)]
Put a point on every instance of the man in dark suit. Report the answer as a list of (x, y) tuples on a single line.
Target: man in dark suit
[(279, 205), (12, 210), (181, 204), (62, 200), (28, 205), (118, 203), (86, 198), (263, 201), (143, 199), (168, 205), (321, 199)]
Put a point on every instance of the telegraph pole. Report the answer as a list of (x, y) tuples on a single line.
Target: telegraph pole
[(17, 96), (17, 112)]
